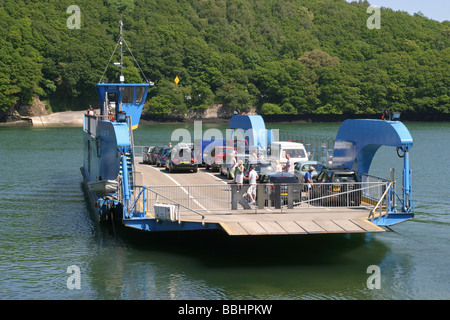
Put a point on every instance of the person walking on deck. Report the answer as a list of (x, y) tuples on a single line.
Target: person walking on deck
[(252, 177)]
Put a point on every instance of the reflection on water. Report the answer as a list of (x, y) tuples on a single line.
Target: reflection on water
[(215, 266)]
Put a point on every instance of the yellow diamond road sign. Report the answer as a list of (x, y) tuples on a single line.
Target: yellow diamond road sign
[(176, 80)]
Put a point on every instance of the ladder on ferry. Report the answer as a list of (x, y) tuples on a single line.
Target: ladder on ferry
[(130, 168), (129, 154)]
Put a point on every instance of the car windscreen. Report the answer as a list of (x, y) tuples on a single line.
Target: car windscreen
[(295, 153), (185, 154), (264, 168), (317, 167)]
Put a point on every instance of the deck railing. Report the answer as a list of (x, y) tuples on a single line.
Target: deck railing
[(385, 197), (147, 198), (202, 199), (90, 123)]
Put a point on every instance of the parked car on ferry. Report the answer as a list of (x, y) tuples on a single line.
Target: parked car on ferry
[(239, 145), (146, 154), (154, 154), (216, 157), (335, 188), (279, 149), (181, 159), (202, 148), (301, 167), (283, 179), (262, 168), (162, 156)]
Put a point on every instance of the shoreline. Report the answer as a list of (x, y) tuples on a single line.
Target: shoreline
[(75, 119)]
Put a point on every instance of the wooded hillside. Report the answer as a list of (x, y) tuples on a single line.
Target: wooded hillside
[(275, 56)]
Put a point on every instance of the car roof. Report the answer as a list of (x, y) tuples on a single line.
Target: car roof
[(282, 177), (181, 145), (309, 162), (260, 164), (281, 174), (339, 171), (287, 143)]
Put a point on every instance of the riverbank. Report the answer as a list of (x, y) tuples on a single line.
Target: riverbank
[(66, 118), (75, 118)]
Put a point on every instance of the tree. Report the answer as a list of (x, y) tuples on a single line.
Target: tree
[(270, 108), (301, 56)]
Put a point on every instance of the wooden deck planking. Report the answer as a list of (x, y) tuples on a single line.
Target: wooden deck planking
[(272, 227), (234, 228), (253, 227), (297, 227), (329, 226), (291, 227), (310, 226), (368, 226), (349, 226)]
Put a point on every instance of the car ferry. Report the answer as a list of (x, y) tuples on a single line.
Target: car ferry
[(134, 194)]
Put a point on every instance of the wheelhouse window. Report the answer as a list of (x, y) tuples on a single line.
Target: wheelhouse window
[(127, 95), (139, 94)]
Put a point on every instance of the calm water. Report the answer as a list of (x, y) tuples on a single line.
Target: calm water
[(46, 226)]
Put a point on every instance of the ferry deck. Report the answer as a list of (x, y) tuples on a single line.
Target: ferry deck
[(205, 198)]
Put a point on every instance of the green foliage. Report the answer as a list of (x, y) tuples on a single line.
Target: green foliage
[(274, 56), (270, 108)]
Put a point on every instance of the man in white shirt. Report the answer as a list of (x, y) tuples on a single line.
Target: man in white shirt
[(252, 176), (287, 167)]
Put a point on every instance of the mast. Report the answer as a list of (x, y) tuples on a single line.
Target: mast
[(121, 51), (121, 78)]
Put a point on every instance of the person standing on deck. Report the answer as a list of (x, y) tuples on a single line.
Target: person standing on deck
[(252, 176), (308, 180), (287, 166), (239, 177), (308, 177)]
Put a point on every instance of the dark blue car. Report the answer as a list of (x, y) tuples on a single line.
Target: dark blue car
[(162, 156)]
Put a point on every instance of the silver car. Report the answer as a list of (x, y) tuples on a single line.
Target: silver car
[(302, 167)]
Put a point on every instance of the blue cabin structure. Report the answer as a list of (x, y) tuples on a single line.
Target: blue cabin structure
[(251, 128), (108, 160), (127, 98)]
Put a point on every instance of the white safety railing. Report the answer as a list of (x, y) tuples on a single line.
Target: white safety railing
[(346, 194), (202, 199)]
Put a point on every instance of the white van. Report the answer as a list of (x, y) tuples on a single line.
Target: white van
[(279, 149)]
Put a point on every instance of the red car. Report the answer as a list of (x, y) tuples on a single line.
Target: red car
[(217, 156)]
